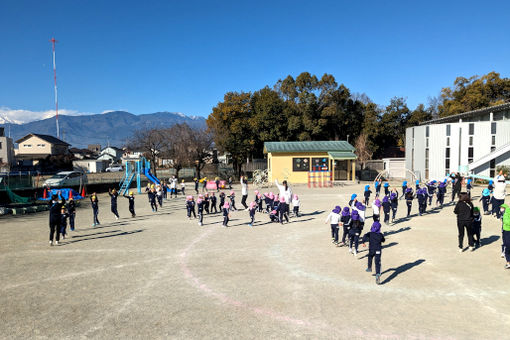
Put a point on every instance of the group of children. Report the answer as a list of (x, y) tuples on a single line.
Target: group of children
[(351, 219), (277, 207), (60, 212)]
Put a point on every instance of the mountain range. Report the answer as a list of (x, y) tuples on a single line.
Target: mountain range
[(113, 128)]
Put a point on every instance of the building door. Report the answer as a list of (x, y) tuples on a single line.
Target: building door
[(341, 169)]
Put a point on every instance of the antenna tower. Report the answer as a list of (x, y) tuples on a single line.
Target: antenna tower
[(53, 41)]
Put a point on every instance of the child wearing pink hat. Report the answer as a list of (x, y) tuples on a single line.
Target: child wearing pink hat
[(283, 210), (252, 208), (190, 206), (226, 215), (232, 197), (200, 208), (295, 205)]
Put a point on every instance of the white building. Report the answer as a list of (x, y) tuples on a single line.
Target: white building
[(111, 154), (475, 142), (90, 165)]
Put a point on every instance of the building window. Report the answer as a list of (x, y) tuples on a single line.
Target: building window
[(427, 131), (498, 116), (426, 142), (27, 145), (300, 164), (470, 154), (448, 130), (492, 171), (493, 142), (412, 159), (1, 160), (493, 128), (470, 140), (427, 162), (320, 164), (413, 132), (0, 145), (471, 129), (447, 160), (41, 145), (447, 141)]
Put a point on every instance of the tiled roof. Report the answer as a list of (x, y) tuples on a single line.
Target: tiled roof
[(305, 146), (454, 118), (342, 155), (47, 138)]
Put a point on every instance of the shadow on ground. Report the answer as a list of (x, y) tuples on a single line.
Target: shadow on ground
[(399, 270), (88, 238)]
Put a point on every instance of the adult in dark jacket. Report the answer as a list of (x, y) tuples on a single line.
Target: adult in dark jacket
[(464, 212), (55, 217)]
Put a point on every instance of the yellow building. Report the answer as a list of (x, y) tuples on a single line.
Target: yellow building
[(294, 160)]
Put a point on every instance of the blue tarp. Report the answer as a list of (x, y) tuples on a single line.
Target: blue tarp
[(62, 193)]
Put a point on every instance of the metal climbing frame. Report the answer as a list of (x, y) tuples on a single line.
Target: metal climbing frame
[(320, 178)]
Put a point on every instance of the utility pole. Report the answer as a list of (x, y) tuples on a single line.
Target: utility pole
[(53, 41)]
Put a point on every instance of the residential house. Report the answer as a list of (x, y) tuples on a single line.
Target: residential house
[(111, 154), (34, 147), (81, 153), (95, 148)]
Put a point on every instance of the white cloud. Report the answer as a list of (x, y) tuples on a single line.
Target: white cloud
[(8, 115)]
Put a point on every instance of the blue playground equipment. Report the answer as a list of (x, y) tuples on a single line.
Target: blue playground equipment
[(485, 178), (136, 168)]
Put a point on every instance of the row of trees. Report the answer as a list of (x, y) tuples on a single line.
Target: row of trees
[(184, 146), (309, 108)]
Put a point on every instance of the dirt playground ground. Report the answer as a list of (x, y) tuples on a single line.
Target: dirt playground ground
[(160, 276)]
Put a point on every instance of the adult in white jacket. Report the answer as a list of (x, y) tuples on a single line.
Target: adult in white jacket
[(244, 191), (499, 193), (286, 193), (285, 190)]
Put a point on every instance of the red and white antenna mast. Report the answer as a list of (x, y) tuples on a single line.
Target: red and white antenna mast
[(53, 41)]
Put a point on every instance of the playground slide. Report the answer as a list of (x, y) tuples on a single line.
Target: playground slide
[(151, 178)]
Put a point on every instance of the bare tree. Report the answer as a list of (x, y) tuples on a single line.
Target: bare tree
[(363, 149), (178, 146), (198, 144), (152, 142)]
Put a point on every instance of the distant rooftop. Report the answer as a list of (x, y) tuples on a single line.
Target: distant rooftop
[(47, 138), (500, 112), (305, 146)]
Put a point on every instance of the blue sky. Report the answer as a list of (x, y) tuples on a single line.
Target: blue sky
[(183, 56)]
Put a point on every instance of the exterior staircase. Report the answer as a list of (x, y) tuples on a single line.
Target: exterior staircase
[(489, 157)]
